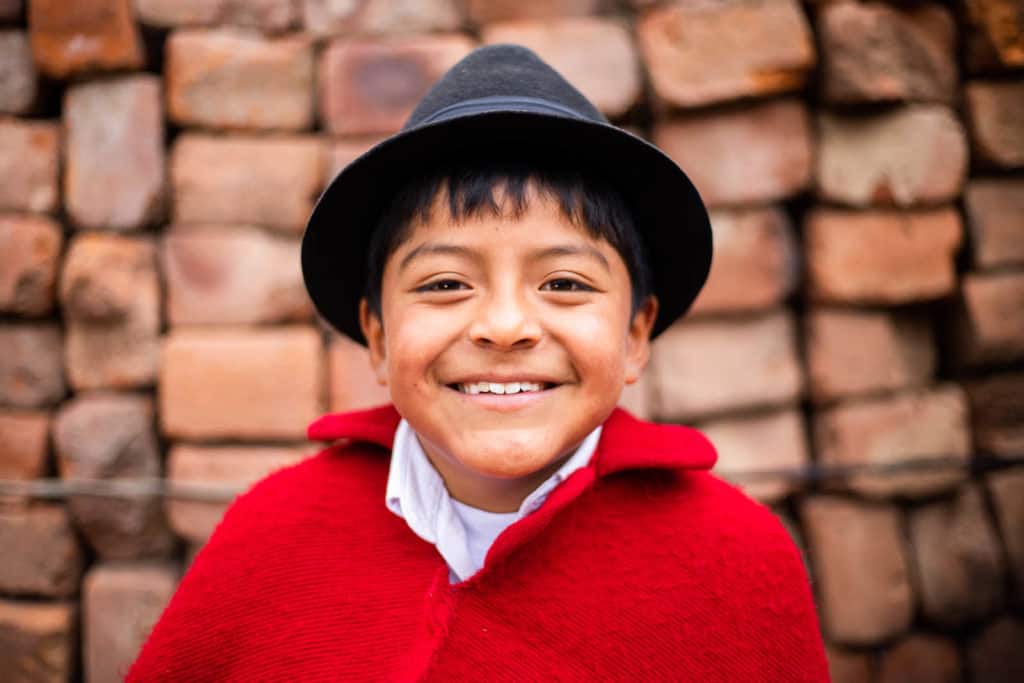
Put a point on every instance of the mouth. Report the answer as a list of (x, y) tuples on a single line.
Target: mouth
[(501, 388)]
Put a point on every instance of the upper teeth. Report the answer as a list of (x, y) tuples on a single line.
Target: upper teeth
[(496, 388)]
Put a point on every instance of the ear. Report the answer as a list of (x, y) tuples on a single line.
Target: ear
[(373, 331), (638, 342)]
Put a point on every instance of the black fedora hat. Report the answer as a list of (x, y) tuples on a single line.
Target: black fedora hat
[(504, 95)]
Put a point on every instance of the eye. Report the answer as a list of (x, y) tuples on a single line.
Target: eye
[(442, 286), (565, 284)]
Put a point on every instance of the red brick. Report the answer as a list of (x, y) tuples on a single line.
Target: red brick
[(875, 52), (29, 250), (958, 560), (110, 292), (372, 85), (596, 55), (242, 384), (17, 73), (756, 262), (28, 165), (1007, 489), (120, 605), (997, 414), (24, 442), (38, 640), (31, 371), (232, 275), (748, 445), (699, 53), (894, 431), (353, 383), (704, 368), (995, 218), (231, 469), (750, 154), (881, 257), (344, 151), (41, 555), (111, 437), (846, 666), (271, 16), (994, 35), (990, 319), (271, 182), (852, 352), (486, 11), (921, 657), (903, 157), (11, 10), (329, 18), (114, 153), (239, 81), (87, 35), (994, 112), (995, 655), (863, 584)]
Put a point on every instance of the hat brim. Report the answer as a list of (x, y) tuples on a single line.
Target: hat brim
[(668, 210)]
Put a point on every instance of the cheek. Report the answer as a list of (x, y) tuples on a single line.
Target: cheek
[(415, 338)]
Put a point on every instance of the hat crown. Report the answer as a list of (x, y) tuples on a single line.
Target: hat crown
[(508, 72)]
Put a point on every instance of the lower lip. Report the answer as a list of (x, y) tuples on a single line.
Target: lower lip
[(505, 402)]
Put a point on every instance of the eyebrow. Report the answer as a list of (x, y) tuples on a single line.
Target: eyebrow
[(435, 248), (444, 248), (573, 250)]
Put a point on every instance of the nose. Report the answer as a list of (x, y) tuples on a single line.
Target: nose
[(505, 320)]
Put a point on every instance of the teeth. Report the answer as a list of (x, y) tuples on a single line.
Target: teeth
[(497, 388)]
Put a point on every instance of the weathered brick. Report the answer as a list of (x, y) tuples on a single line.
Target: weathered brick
[(87, 35), (29, 251), (863, 583), (112, 437), (851, 352), (120, 605), (29, 165), (703, 368), (271, 182), (114, 153), (352, 382), (748, 445), (232, 275), (704, 52), (1007, 490), (997, 414), (244, 384), (31, 369), (907, 156), (17, 73), (230, 468), (749, 154), (38, 640), (995, 655), (110, 292), (875, 52), (329, 18), (341, 152), (372, 85), (236, 80), (995, 219), (11, 10), (994, 34), (271, 16), (24, 440), (881, 257), (958, 559), (41, 555), (995, 111), (847, 666), (756, 264), (921, 657), (596, 55), (989, 325), (894, 431), (487, 11)]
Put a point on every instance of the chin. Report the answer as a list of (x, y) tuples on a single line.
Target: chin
[(505, 461)]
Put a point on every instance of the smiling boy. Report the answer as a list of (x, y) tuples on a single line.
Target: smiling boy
[(506, 259)]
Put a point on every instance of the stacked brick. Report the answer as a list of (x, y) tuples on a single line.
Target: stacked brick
[(864, 167)]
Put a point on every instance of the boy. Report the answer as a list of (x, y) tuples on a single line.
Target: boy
[(506, 259)]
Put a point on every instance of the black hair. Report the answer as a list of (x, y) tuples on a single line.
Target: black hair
[(586, 200)]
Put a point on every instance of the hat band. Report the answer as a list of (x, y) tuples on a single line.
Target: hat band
[(499, 103)]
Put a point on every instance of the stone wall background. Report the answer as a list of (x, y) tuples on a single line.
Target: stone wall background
[(857, 356)]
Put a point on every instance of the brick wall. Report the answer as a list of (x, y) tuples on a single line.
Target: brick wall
[(857, 355)]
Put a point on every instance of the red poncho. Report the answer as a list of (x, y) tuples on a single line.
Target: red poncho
[(640, 566)]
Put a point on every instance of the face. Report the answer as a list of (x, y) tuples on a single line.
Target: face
[(505, 341)]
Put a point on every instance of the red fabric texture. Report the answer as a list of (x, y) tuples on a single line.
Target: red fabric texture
[(640, 566)]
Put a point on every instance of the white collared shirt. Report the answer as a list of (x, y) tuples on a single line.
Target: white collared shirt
[(462, 534)]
